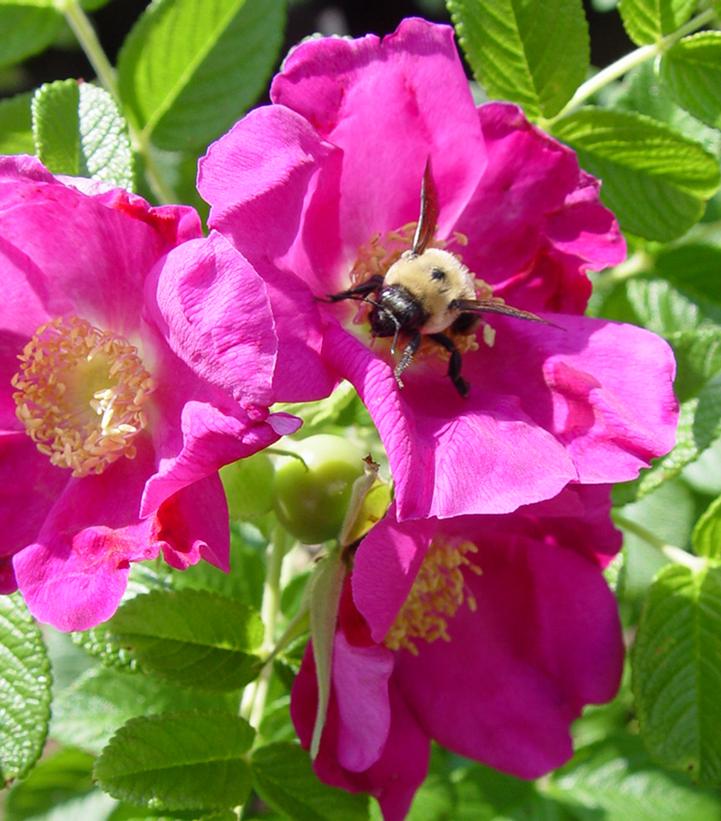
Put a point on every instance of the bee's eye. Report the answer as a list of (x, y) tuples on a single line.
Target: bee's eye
[(438, 274)]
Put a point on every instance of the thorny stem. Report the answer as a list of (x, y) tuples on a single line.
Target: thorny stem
[(88, 40), (254, 696), (629, 61)]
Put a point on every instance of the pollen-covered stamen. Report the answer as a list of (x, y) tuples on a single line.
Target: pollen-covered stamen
[(80, 393), (438, 591)]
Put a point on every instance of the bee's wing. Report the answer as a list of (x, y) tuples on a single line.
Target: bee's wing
[(493, 305), (429, 211)]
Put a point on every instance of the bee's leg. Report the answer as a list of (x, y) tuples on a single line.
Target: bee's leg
[(407, 357), (360, 291), (454, 365)]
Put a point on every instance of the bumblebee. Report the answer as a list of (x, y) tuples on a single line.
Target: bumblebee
[(426, 293)]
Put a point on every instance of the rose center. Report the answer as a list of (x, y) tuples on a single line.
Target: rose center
[(438, 591), (80, 393)]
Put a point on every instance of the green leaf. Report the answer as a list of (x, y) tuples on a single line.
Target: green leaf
[(179, 761), (78, 130), (191, 637), (25, 683), (706, 537), (695, 269), (643, 93), (28, 26), (57, 783), (654, 179), (676, 675), (615, 780), (664, 309), (691, 70), (326, 585), (533, 53), (284, 779), (647, 21), (190, 68), (16, 131), (698, 356), (101, 701)]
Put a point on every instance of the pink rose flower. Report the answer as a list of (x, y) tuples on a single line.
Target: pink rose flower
[(487, 634), (109, 443), (320, 191)]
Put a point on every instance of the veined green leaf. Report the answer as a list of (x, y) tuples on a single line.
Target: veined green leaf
[(691, 70), (284, 779), (647, 21), (533, 53), (28, 26), (676, 675), (78, 130), (16, 133), (654, 179), (191, 637), (179, 761), (190, 68), (25, 683)]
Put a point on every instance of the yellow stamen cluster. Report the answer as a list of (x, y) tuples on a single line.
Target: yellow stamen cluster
[(80, 393), (438, 591)]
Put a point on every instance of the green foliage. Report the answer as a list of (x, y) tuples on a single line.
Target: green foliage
[(676, 680), (191, 637), (179, 761), (59, 783), (190, 68), (692, 71), (25, 683), (28, 26), (706, 537), (509, 44), (647, 21), (88, 712), (16, 134), (78, 131), (248, 486), (615, 779), (283, 778), (654, 179)]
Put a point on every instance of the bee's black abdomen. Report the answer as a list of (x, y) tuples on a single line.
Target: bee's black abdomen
[(397, 309)]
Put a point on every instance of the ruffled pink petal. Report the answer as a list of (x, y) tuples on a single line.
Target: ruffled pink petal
[(535, 222), (448, 455), (256, 179), (603, 389), (545, 640), (193, 524), (218, 318), (211, 438), (386, 104), (76, 571), (360, 681), (395, 775), (81, 255), (385, 566)]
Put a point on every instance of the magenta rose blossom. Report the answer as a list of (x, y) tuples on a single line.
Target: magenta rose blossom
[(110, 445), (487, 634), (320, 191)]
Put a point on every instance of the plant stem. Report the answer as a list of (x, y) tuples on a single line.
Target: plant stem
[(88, 40), (254, 697), (671, 552), (629, 61)]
